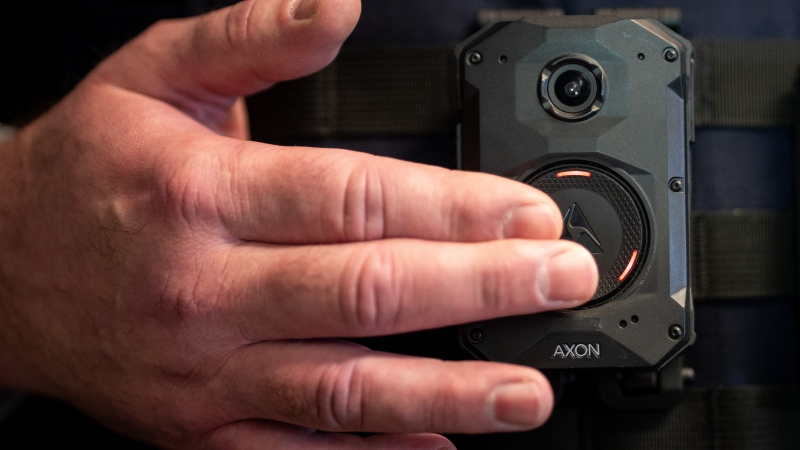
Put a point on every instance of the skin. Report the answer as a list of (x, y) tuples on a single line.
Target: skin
[(184, 285)]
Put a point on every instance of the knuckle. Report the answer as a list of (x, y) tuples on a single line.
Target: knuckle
[(364, 205), (341, 397), (371, 296), (496, 283), (188, 191), (238, 24), (179, 298)]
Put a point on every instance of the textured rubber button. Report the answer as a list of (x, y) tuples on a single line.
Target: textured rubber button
[(604, 214)]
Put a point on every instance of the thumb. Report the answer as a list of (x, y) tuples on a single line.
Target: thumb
[(232, 52)]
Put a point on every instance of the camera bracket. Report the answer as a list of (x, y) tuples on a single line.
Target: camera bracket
[(644, 389)]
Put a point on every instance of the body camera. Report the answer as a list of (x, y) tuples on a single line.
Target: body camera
[(597, 112)]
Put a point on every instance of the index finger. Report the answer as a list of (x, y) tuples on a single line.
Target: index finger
[(305, 195)]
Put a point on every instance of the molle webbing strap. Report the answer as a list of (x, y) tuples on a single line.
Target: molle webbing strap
[(387, 92), (751, 418), (747, 254), (730, 418), (746, 83), (402, 92)]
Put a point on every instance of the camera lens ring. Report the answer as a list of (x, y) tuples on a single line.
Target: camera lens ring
[(572, 87), (569, 83)]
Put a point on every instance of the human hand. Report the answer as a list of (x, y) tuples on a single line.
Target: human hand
[(183, 285)]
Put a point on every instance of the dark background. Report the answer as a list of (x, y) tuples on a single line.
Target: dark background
[(48, 46)]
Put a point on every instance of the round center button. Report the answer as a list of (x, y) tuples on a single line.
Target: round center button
[(602, 213)]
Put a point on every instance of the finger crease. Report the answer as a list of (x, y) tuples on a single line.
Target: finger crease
[(237, 25), (365, 206), (339, 392)]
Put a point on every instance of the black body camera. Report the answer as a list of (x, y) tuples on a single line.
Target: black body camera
[(597, 112)]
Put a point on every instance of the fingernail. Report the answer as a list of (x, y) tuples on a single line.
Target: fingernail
[(518, 404), (304, 9), (569, 276), (538, 221)]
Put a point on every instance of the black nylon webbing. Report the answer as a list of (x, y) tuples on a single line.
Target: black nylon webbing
[(731, 418), (743, 254), (402, 92), (746, 83), (390, 92)]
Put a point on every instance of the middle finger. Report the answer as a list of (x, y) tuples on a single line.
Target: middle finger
[(398, 285)]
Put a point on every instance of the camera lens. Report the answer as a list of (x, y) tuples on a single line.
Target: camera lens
[(572, 88)]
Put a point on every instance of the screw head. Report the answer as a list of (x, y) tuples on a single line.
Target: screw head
[(476, 335), (670, 54), (475, 58), (676, 185), (675, 332)]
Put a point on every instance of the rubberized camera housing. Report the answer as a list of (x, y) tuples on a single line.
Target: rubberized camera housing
[(591, 111)]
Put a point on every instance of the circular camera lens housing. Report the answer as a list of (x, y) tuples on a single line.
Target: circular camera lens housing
[(572, 88)]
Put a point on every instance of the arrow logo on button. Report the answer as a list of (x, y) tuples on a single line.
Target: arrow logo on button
[(577, 229)]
